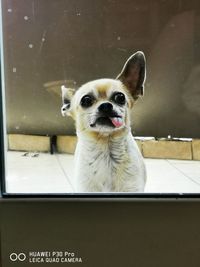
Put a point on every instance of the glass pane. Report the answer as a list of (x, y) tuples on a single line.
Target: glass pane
[(49, 44)]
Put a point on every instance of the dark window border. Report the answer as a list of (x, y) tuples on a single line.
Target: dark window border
[(2, 150), (116, 197)]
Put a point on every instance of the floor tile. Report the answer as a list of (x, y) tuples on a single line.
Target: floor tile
[(66, 162), (165, 178), (175, 161), (192, 170), (42, 174), (47, 173)]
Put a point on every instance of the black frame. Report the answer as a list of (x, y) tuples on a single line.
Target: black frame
[(69, 196), (2, 150)]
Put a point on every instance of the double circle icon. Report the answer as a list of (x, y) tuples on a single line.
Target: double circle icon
[(17, 257)]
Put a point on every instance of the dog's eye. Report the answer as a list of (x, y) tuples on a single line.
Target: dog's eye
[(119, 98), (66, 101), (87, 101)]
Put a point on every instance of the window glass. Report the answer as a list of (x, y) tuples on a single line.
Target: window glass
[(52, 44)]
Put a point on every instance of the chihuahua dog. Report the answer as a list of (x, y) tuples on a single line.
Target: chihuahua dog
[(107, 158)]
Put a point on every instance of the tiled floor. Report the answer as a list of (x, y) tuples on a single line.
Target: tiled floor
[(45, 173)]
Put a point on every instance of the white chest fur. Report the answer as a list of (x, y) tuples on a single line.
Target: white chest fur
[(114, 165)]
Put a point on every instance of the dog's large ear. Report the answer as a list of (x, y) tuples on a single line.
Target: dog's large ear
[(133, 74), (67, 94)]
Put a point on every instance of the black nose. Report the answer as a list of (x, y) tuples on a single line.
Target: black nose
[(105, 107)]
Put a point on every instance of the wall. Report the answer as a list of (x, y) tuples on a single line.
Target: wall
[(47, 41)]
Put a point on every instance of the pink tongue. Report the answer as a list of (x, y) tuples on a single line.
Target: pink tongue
[(117, 122)]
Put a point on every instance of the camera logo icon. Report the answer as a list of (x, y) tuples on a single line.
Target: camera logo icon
[(18, 257)]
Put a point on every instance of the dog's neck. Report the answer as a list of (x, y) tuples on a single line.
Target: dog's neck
[(89, 139)]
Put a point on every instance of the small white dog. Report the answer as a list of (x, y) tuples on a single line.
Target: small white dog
[(107, 158)]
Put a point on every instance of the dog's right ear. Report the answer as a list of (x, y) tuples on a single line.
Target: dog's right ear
[(67, 95), (133, 74)]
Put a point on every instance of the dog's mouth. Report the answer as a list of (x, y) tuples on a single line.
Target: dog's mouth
[(114, 122)]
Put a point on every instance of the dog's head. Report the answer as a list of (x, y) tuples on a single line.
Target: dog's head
[(103, 105)]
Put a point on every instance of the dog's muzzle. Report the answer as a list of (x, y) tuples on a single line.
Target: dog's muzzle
[(107, 116)]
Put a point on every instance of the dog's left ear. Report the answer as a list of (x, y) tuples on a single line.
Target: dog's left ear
[(133, 74), (67, 94)]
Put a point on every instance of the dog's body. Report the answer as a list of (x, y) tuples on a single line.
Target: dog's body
[(112, 164), (107, 157)]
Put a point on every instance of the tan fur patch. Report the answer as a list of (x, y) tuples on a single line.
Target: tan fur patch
[(98, 137), (104, 138), (119, 133), (103, 89)]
